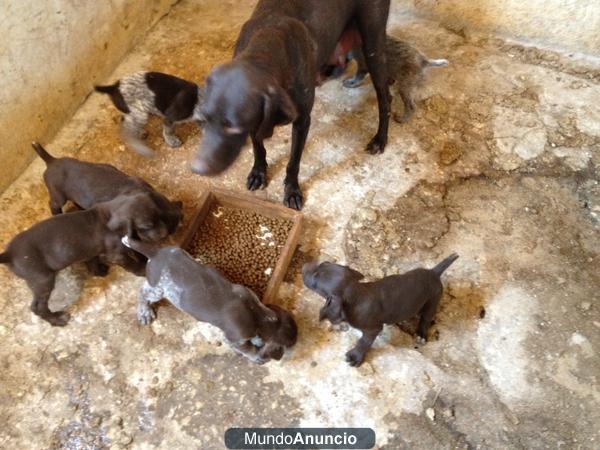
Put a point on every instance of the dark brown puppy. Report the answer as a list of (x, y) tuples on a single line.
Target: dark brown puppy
[(259, 332), (87, 184), (368, 306), (92, 236), (406, 67), (271, 82)]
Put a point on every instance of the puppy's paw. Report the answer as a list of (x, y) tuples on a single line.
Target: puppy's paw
[(173, 141), (257, 179), (401, 118), (420, 340), (292, 197), (259, 361), (376, 146), (146, 314), (355, 357), (59, 319)]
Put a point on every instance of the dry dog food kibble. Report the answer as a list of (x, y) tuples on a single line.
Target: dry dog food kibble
[(243, 245)]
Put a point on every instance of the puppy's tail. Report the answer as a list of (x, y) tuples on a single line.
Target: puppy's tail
[(115, 95), (148, 250), (435, 62), (441, 267), (42, 152), (4, 258)]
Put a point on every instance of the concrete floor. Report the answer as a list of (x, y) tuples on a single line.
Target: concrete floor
[(500, 164)]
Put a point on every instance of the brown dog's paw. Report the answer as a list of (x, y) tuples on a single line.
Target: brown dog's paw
[(58, 319), (376, 146), (355, 358), (292, 197), (257, 179)]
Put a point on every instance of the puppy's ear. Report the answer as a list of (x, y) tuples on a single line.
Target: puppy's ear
[(278, 109), (333, 310), (354, 274), (118, 222)]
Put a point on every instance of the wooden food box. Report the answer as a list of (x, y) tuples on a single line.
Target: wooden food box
[(250, 241)]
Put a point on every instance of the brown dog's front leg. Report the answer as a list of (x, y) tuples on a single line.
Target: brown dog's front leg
[(292, 195), (257, 178), (356, 356)]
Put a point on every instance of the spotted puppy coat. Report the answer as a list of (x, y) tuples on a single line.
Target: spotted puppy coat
[(407, 68), (258, 332), (143, 93)]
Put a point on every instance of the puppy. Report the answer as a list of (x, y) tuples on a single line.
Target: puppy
[(368, 306), (144, 93), (86, 184), (406, 68), (259, 332), (93, 236)]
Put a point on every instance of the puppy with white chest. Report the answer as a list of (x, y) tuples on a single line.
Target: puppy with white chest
[(369, 306), (258, 332), (143, 93)]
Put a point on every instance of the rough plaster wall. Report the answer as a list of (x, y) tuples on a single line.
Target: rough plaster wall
[(50, 55), (561, 24)]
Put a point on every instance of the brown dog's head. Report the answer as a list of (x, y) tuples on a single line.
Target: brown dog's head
[(329, 281), (137, 216), (281, 335), (240, 100)]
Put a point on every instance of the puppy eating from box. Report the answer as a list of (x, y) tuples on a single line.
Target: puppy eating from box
[(143, 93), (86, 184), (258, 332), (369, 306)]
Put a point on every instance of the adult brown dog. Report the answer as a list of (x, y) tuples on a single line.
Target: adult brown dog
[(271, 82)]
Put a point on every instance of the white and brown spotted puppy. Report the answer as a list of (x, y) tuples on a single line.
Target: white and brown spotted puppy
[(143, 93), (407, 68), (257, 331)]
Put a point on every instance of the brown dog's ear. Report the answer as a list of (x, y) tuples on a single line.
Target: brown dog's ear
[(333, 310), (278, 109)]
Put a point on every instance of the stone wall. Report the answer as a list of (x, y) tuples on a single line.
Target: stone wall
[(571, 25), (51, 53)]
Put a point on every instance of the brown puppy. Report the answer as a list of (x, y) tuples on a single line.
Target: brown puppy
[(259, 332), (87, 184), (406, 68), (368, 306), (92, 236), (271, 82)]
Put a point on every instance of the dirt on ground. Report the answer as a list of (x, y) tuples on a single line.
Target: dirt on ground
[(500, 163)]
